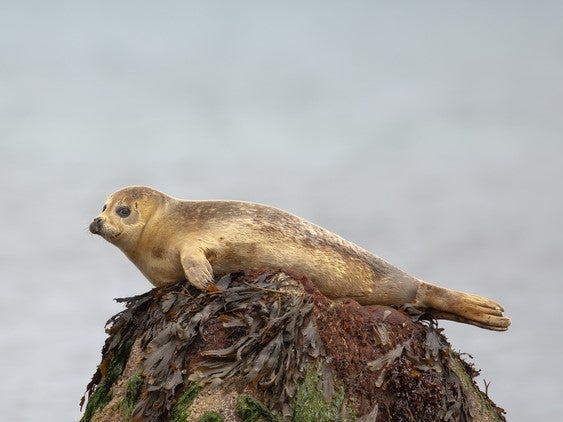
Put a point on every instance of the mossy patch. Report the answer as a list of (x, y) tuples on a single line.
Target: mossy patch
[(102, 395), (484, 405), (133, 391), (211, 417), (310, 405), (251, 410), (181, 409)]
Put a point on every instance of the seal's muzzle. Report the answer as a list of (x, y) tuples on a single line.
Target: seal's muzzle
[(96, 225)]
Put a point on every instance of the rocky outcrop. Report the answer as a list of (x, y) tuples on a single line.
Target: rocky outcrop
[(271, 347)]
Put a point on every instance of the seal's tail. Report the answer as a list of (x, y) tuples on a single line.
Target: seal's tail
[(453, 305)]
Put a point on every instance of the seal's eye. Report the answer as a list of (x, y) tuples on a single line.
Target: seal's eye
[(104, 208), (123, 211)]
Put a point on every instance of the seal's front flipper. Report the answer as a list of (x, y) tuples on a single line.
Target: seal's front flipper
[(197, 268)]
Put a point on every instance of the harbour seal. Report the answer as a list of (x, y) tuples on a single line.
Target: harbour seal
[(170, 239)]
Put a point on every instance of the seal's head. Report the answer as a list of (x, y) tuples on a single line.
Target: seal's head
[(125, 214)]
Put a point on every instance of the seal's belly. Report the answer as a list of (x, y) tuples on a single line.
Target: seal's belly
[(334, 274)]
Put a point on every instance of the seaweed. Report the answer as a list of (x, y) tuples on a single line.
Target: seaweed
[(284, 350), (211, 417), (263, 329), (133, 392), (181, 409), (108, 373), (251, 410), (311, 405)]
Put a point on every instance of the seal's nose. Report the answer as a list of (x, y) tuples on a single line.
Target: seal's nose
[(96, 225)]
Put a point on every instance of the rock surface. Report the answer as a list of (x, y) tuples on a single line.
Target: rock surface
[(271, 347)]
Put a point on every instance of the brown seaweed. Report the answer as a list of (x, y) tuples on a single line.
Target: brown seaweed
[(274, 333)]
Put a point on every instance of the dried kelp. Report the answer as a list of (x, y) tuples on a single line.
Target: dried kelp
[(296, 351), (384, 361), (278, 338), (264, 329), (395, 367), (413, 373)]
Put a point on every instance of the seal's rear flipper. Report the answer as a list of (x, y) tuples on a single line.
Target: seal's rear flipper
[(495, 323), (453, 305)]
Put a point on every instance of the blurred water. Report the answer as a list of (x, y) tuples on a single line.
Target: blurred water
[(428, 135)]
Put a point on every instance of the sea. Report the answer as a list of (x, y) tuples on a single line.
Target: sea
[(429, 133)]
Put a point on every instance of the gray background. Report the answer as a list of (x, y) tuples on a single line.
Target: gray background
[(427, 132)]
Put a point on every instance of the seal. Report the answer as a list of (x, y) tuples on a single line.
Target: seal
[(170, 240)]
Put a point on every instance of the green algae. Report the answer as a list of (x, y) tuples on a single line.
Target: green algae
[(102, 395), (211, 417), (133, 391), (251, 410), (181, 409), (310, 405), (482, 403)]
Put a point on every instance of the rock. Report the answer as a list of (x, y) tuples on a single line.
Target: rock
[(269, 346)]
